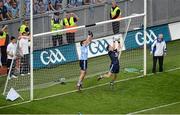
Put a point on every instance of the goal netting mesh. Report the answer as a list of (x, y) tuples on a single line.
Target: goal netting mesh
[(56, 56)]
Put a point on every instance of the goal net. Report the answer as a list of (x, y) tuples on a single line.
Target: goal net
[(56, 56)]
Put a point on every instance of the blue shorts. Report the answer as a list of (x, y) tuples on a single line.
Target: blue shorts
[(83, 64), (114, 68)]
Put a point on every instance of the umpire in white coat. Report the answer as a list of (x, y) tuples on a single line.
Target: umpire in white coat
[(158, 49)]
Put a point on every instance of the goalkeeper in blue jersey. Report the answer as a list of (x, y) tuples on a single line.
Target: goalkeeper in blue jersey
[(114, 66), (83, 59)]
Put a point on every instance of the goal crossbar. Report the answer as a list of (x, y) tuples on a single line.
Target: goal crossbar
[(98, 23)]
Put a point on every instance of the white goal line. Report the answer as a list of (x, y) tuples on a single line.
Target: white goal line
[(84, 26), (92, 87)]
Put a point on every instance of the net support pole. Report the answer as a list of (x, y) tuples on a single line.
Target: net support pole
[(145, 37), (31, 51), (10, 69)]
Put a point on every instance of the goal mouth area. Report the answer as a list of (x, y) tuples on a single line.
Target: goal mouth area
[(47, 78)]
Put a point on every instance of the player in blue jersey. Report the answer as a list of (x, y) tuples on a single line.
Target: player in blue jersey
[(83, 59), (114, 66)]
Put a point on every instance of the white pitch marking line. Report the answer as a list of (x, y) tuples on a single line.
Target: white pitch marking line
[(153, 108), (60, 94), (6, 106)]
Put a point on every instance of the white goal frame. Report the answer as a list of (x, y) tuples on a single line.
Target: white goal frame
[(144, 14)]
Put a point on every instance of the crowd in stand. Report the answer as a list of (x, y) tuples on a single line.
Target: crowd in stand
[(41, 6), (10, 9)]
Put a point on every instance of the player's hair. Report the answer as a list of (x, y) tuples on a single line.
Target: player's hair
[(12, 38), (27, 29), (1, 33), (81, 43)]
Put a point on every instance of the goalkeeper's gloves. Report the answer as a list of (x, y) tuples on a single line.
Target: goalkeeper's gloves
[(90, 33), (115, 39)]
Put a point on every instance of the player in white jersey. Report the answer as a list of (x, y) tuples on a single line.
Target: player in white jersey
[(83, 59), (24, 51), (11, 54)]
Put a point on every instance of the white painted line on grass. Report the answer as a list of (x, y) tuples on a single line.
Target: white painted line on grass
[(153, 108), (92, 87), (6, 106)]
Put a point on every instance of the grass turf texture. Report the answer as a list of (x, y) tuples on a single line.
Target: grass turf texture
[(128, 96)]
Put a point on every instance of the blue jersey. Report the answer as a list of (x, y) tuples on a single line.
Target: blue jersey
[(84, 52), (114, 57)]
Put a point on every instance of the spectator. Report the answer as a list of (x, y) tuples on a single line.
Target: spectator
[(39, 6), (11, 53), (17, 5), (92, 1), (46, 5), (69, 22), (58, 4), (75, 2), (35, 6), (24, 51), (52, 5), (4, 14), (27, 7), (14, 10), (89, 1), (114, 14), (24, 28), (56, 24), (158, 49), (7, 4), (4, 39), (100, 1)]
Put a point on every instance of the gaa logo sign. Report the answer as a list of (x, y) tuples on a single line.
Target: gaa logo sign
[(52, 56), (139, 37), (98, 46)]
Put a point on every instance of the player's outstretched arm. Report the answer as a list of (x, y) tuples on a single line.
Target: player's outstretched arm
[(119, 46), (114, 43), (89, 38)]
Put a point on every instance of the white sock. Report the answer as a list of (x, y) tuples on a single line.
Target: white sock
[(79, 83), (101, 76)]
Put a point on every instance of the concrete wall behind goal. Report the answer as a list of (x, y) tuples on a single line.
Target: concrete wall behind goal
[(159, 12)]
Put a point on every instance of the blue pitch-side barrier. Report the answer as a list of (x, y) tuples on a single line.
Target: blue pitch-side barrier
[(54, 56), (135, 38), (68, 53)]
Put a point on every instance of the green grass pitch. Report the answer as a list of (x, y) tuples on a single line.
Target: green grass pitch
[(129, 95)]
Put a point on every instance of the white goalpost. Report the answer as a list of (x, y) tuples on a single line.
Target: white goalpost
[(145, 37), (31, 53), (61, 63)]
